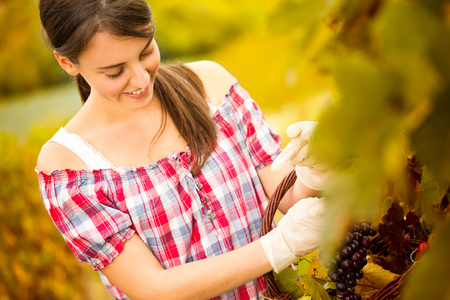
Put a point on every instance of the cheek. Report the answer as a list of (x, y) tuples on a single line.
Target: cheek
[(109, 87), (152, 63)]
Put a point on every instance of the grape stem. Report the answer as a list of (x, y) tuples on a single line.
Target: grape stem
[(360, 284)]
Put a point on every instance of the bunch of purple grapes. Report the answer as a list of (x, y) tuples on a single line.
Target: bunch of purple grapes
[(346, 267)]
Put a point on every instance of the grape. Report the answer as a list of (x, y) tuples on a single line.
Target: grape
[(357, 236), (356, 257), (348, 238), (354, 245), (365, 228), (346, 266), (346, 252), (351, 282), (334, 276), (365, 242), (350, 290), (363, 262), (341, 287), (356, 228), (362, 252), (359, 274), (349, 276)]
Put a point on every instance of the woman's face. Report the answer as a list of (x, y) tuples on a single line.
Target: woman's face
[(120, 69)]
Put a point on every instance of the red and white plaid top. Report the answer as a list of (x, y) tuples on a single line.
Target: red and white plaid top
[(181, 218)]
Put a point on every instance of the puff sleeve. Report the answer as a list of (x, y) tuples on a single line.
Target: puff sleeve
[(259, 138), (92, 225)]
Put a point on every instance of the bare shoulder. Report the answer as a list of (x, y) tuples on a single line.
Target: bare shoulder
[(216, 79), (54, 156)]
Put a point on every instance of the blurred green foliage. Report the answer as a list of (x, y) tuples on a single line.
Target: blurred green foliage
[(389, 71), (185, 28), (36, 262), (26, 64)]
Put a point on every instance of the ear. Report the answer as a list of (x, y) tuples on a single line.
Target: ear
[(66, 64)]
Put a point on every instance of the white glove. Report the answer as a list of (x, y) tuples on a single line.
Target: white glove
[(296, 153), (298, 233)]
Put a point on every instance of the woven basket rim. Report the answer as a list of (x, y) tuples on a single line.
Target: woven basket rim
[(272, 290)]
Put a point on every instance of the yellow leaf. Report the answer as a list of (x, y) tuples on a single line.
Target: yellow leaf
[(316, 267), (314, 289), (375, 277), (378, 276)]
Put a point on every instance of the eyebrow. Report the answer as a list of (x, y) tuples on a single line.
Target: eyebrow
[(121, 64)]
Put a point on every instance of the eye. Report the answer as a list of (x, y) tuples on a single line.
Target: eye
[(112, 76), (148, 53)]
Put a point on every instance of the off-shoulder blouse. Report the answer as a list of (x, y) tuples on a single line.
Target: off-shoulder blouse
[(181, 217)]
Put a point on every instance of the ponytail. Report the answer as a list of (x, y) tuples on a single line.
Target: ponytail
[(183, 97), (83, 88)]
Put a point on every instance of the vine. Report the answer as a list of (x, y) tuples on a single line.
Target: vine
[(384, 133)]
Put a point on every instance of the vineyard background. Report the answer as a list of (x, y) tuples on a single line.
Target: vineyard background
[(375, 74)]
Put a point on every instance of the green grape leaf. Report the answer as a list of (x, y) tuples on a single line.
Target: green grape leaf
[(314, 289), (431, 140), (300, 12), (430, 196), (414, 27), (287, 281)]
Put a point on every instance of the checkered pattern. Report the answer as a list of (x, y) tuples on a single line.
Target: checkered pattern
[(180, 217)]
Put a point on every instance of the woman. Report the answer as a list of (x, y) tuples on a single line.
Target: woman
[(159, 182)]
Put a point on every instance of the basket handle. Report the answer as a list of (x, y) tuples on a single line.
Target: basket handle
[(272, 290)]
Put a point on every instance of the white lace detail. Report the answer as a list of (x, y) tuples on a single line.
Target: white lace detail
[(88, 154)]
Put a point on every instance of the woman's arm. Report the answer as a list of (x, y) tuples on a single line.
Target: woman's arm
[(217, 82), (271, 179), (138, 274)]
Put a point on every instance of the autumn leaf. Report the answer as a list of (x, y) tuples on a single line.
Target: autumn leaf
[(314, 289), (375, 277), (316, 267)]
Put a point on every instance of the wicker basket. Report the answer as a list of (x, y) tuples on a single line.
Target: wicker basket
[(392, 291), (272, 290)]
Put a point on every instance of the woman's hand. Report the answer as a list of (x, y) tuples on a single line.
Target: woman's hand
[(298, 233), (297, 153)]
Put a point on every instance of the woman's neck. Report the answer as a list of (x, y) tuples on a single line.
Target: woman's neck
[(103, 114)]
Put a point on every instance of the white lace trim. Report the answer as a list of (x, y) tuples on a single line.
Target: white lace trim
[(81, 148)]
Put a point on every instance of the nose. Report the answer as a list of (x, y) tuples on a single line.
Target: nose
[(140, 78)]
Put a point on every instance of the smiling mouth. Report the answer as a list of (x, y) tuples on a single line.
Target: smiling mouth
[(138, 92)]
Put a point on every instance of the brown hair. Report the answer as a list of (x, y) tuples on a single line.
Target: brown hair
[(70, 26)]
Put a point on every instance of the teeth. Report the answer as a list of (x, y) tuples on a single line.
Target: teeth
[(137, 92)]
